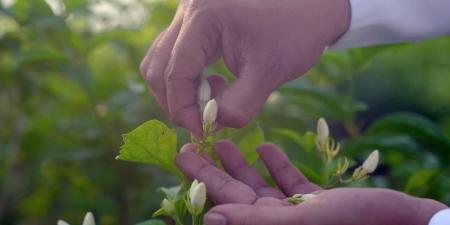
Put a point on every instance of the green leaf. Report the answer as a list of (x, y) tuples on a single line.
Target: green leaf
[(306, 142), (416, 126), (152, 142), (418, 183), (247, 139), (151, 222)]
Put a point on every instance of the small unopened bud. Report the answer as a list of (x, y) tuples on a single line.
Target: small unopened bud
[(204, 93), (322, 130), (371, 162), (89, 219), (307, 197), (168, 206), (62, 222), (197, 197), (210, 112)]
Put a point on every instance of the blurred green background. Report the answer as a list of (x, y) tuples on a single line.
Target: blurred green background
[(70, 86)]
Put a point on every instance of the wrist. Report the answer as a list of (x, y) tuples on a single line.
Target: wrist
[(426, 209)]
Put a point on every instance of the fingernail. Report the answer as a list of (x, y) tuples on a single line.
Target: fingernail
[(188, 148), (215, 219)]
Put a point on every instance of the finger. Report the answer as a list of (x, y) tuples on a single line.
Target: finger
[(217, 84), (188, 58), (156, 61), (243, 99), (269, 201), (221, 187), (192, 148), (236, 165), (287, 176), (239, 214)]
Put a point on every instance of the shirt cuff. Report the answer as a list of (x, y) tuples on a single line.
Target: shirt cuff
[(441, 218), (392, 21)]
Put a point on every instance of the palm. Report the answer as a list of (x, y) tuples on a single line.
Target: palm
[(243, 197)]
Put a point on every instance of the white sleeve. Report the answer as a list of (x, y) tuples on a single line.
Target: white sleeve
[(441, 218), (392, 21)]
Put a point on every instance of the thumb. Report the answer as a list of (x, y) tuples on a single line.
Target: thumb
[(240, 214), (244, 98)]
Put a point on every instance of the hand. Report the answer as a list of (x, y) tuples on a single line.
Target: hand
[(244, 198), (264, 43)]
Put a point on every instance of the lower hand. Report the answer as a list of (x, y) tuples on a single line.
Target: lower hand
[(243, 197)]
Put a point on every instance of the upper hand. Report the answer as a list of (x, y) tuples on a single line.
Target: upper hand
[(243, 197), (263, 43)]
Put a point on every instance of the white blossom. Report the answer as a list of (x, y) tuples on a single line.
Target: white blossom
[(89, 219), (62, 222), (197, 196), (322, 130), (204, 92), (371, 162), (210, 112)]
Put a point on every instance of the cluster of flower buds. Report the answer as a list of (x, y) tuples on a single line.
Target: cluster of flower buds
[(196, 198), (329, 149), (208, 107), (88, 220)]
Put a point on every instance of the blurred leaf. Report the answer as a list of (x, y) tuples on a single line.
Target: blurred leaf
[(247, 139), (152, 142), (306, 142), (418, 183), (151, 222), (416, 126)]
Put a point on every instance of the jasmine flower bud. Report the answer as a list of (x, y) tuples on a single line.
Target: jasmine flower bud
[(204, 93), (89, 219), (62, 222), (371, 162), (322, 130), (210, 112), (197, 197)]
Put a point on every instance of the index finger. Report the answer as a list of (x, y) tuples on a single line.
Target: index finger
[(191, 52), (220, 186)]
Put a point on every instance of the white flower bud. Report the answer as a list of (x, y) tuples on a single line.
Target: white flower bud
[(204, 92), (62, 222), (307, 197), (197, 197), (371, 162), (322, 130), (210, 112), (89, 219)]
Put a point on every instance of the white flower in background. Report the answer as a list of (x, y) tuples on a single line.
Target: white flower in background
[(197, 197), (322, 130), (371, 162), (89, 219), (204, 93), (210, 112), (62, 222), (57, 6), (7, 3)]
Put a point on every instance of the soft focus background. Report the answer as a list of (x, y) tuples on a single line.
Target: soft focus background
[(70, 86)]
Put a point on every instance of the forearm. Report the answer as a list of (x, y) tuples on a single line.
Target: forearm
[(392, 21)]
